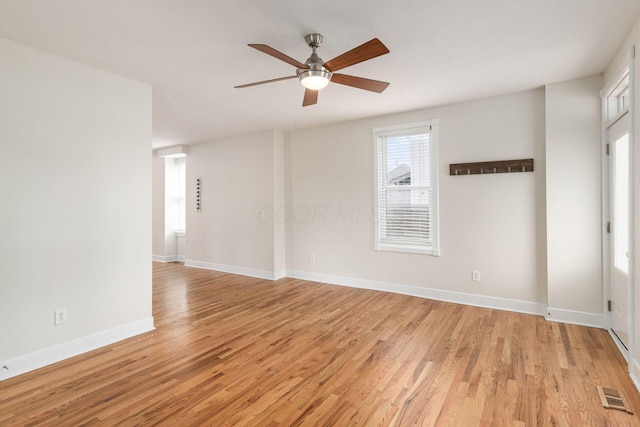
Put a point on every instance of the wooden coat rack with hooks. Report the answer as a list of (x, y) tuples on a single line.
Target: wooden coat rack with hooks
[(481, 168)]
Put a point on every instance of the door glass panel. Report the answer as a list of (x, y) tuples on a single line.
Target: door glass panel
[(621, 204)]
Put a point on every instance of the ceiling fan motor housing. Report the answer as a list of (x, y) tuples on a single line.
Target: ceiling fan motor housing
[(316, 68)]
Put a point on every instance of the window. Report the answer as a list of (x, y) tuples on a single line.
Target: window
[(617, 99), (180, 194), (407, 188)]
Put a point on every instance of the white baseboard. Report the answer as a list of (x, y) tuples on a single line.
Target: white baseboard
[(243, 271), (634, 369), (47, 356), (621, 348), (277, 275), (582, 318), (436, 294), (168, 258), (165, 258)]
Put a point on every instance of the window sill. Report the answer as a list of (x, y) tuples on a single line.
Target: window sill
[(421, 250)]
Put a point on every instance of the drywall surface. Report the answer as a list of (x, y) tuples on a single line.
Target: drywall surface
[(279, 199), (491, 223), (76, 200), (574, 223), (234, 230)]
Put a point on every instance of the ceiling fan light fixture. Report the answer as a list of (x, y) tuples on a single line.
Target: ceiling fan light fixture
[(314, 79), (315, 74)]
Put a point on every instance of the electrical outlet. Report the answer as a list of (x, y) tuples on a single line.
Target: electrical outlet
[(60, 316), (475, 275)]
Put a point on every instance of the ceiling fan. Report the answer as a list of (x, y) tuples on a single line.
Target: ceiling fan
[(315, 74)]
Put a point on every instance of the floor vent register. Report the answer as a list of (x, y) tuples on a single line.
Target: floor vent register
[(613, 399)]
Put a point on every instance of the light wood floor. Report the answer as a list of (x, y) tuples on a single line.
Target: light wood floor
[(231, 350)]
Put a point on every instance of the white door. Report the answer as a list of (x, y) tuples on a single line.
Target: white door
[(619, 204)]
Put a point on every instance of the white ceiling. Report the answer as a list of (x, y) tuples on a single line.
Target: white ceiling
[(194, 51)]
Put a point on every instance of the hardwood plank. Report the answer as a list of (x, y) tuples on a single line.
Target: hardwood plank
[(232, 350)]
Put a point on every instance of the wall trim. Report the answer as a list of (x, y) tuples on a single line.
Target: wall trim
[(243, 271), (166, 258), (595, 320), (623, 351), (430, 293), (57, 353), (634, 373), (281, 274)]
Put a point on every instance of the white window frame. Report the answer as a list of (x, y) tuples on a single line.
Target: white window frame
[(379, 137), (181, 202)]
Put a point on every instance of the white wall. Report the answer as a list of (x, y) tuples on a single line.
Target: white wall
[(574, 220), (621, 57), (491, 223), (279, 199), (76, 204), (235, 230)]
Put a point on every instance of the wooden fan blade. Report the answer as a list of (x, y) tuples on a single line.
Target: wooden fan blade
[(360, 82), (365, 51), (310, 97), (279, 55), (265, 81)]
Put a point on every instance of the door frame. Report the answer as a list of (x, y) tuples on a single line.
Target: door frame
[(626, 69), (615, 131)]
